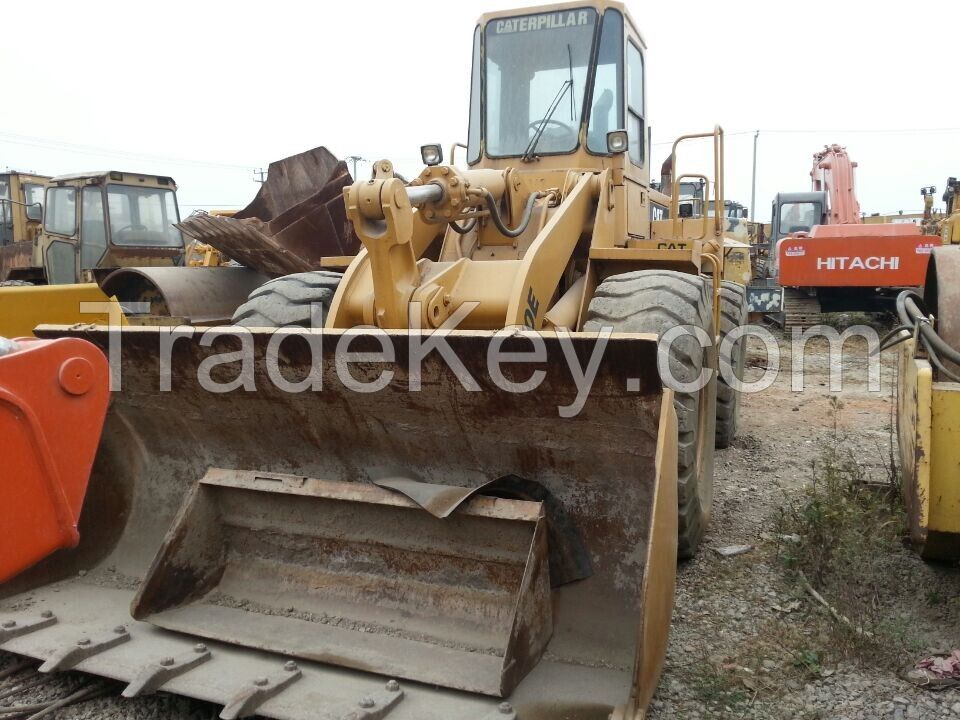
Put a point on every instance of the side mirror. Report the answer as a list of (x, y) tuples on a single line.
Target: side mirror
[(35, 212), (685, 210), (617, 141)]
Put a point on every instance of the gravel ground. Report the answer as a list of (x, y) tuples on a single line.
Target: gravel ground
[(740, 623)]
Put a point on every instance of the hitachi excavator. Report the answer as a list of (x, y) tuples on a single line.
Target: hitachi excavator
[(452, 482), (827, 259)]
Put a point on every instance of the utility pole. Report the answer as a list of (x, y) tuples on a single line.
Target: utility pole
[(260, 175), (753, 183), (352, 159)]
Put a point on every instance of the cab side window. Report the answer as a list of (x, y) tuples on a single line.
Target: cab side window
[(61, 215), (636, 127)]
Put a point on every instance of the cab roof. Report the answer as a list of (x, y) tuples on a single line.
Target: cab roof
[(598, 5), (118, 175)]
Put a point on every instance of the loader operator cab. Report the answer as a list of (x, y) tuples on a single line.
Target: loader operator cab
[(107, 220), (21, 206), (556, 83)]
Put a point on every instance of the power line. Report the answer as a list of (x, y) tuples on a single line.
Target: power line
[(836, 131), (31, 141)]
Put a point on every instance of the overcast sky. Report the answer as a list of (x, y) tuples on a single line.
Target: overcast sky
[(206, 92)]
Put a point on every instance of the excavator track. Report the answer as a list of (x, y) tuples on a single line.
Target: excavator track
[(800, 310)]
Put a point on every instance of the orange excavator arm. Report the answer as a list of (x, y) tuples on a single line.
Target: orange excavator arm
[(833, 173), (53, 401)]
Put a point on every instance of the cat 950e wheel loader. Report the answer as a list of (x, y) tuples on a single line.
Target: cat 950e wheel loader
[(452, 482)]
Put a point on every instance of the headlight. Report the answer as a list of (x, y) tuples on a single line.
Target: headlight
[(617, 141), (431, 154)]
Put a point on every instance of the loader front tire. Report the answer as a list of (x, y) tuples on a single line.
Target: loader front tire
[(288, 301), (654, 301), (733, 313)]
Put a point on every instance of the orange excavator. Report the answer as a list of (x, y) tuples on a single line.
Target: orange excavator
[(46, 387), (827, 259)]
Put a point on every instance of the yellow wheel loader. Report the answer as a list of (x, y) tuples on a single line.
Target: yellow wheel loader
[(928, 406), (462, 492)]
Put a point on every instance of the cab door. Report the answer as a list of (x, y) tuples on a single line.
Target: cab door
[(93, 227), (637, 173), (61, 249)]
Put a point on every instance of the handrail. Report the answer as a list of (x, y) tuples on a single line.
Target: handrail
[(675, 202), (718, 168)]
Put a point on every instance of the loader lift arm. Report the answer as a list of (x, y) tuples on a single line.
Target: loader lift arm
[(397, 223)]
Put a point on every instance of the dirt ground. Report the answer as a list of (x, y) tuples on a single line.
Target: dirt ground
[(747, 641)]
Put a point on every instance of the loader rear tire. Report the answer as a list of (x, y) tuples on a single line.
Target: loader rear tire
[(16, 283), (733, 313), (654, 301), (287, 301)]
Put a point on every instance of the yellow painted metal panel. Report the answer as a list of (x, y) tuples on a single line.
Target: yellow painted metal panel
[(22, 308), (913, 436), (945, 458)]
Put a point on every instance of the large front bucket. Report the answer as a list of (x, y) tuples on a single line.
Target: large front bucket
[(246, 493)]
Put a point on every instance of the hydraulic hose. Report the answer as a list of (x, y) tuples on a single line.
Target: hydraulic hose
[(463, 229), (915, 321), (498, 221)]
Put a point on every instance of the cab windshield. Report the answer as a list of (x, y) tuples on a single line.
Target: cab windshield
[(143, 216), (536, 79), (798, 217)]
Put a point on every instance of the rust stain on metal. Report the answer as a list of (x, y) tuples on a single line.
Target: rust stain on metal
[(297, 218)]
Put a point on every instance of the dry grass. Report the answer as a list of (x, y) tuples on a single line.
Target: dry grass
[(851, 529)]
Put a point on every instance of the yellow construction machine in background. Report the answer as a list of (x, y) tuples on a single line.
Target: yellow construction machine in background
[(928, 408), (116, 237)]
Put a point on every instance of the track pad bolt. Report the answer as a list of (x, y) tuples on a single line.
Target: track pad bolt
[(505, 708), (46, 614), (200, 648), (393, 686), (367, 703), (290, 666), (120, 630), (167, 661), (261, 682), (83, 642), (9, 624)]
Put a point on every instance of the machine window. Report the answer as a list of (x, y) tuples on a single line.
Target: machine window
[(636, 128), (143, 216), (93, 229), (33, 194), (798, 217), (61, 215), (536, 107), (606, 114), (473, 134), (6, 214)]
